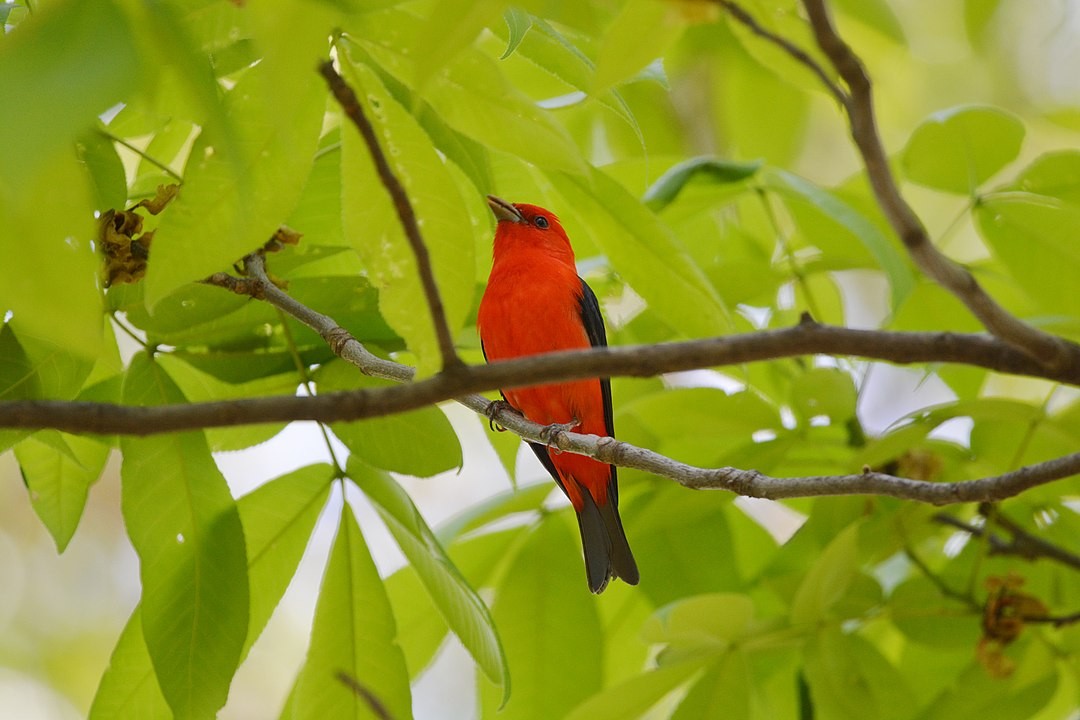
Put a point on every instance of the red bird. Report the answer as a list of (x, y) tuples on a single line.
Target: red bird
[(535, 303)]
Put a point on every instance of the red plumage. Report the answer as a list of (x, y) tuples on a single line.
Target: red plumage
[(535, 303)]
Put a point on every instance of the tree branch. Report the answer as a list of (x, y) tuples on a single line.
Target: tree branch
[(1023, 544), (1047, 348), (740, 14), (807, 337), (858, 104), (355, 112), (634, 361)]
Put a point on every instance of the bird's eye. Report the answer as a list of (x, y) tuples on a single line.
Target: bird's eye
[(541, 222)]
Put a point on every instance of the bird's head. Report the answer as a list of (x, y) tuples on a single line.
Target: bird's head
[(529, 226)]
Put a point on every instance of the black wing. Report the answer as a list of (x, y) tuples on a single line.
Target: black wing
[(594, 328)]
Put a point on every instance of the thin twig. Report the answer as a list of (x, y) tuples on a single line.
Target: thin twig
[(142, 153), (1055, 620), (369, 698), (1024, 543), (940, 584), (305, 380), (1048, 349), (797, 53), (355, 112)]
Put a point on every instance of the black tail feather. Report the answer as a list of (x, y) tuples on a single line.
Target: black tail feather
[(607, 552)]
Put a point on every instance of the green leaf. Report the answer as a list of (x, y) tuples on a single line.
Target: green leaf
[(471, 95), (552, 51), (373, 228), (824, 391), (828, 579), (1034, 236), (198, 386), (59, 482), (712, 621), (391, 442), (1056, 174), (698, 425), (279, 518), (670, 553), (186, 530), (51, 44), (478, 101), (549, 626), (975, 695), (495, 508), (352, 640), (633, 697), (518, 23), (773, 106), (958, 149), (185, 84), (642, 249), (640, 33), (450, 27), (18, 381), (318, 211), (978, 15), (98, 154), (840, 222), (725, 690), (850, 679), (239, 192), (507, 446), (931, 307), (129, 689), (701, 170), (421, 627), (876, 14), (48, 267), (187, 315), (464, 611), (925, 616), (60, 373)]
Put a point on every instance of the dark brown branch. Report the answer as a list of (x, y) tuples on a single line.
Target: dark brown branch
[(634, 361), (807, 337), (1048, 349), (1023, 544), (1055, 620), (355, 112)]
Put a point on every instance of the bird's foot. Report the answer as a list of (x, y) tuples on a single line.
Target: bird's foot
[(551, 432), (494, 408)]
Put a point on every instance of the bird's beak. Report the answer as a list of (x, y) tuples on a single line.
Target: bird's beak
[(504, 210)]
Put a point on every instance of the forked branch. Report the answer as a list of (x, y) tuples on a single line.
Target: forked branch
[(858, 104)]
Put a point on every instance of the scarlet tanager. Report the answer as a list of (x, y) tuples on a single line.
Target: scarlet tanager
[(536, 303)]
